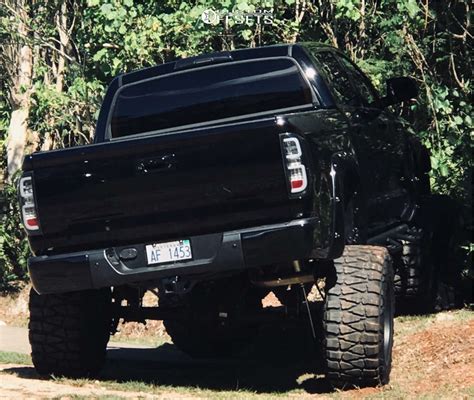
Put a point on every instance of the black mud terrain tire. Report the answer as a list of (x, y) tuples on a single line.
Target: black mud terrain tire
[(426, 273), (408, 272), (413, 268), (69, 332), (204, 340), (358, 318), (209, 329)]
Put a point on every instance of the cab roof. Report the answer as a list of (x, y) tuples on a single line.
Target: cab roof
[(278, 50)]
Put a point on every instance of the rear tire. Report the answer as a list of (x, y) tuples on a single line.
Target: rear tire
[(204, 339), (69, 332), (358, 318), (210, 326)]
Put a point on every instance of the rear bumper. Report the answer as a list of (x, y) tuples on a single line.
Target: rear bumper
[(214, 253)]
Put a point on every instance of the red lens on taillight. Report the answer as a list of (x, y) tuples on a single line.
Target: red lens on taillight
[(28, 205), (295, 169), (32, 222), (297, 184)]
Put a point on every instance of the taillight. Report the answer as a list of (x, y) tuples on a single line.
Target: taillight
[(27, 204), (295, 169)]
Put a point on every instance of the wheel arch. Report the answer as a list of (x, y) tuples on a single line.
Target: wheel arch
[(354, 199)]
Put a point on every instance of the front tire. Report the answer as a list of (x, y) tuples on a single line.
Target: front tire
[(69, 332), (358, 318), (427, 273)]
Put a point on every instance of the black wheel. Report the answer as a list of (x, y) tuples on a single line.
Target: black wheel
[(427, 273), (209, 326), (358, 318), (414, 272), (408, 273), (69, 332)]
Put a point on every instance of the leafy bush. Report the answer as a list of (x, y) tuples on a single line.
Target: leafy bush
[(14, 249)]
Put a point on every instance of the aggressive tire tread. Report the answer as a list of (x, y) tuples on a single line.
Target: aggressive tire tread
[(69, 332), (354, 318)]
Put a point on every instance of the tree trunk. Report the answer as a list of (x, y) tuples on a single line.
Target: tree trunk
[(17, 133), (61, 26), (16, 142)]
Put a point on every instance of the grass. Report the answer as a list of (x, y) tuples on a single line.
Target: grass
[(269, 380), (138, 386), (7, 357), (145, 340), (409, 324), (456, 315), (390, 392), (79, 397), (157, 389)]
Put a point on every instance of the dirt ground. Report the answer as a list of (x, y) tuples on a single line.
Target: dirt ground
[(24, 387), (433, 358)]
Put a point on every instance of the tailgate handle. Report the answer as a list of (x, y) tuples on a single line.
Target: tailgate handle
[(156, 164)]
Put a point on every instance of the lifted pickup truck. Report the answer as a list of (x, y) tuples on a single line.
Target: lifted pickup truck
[(214, 180)]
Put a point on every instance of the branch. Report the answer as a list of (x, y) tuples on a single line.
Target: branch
[(300, 17), (420, 62), (466, 31), (111, 46), (460, 83)]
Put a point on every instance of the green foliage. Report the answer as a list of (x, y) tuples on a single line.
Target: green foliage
[(13, 246), (7, 357), (426, 40), (451, 147), (66, 118)]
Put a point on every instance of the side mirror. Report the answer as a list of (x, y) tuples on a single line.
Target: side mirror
[(400, 89)]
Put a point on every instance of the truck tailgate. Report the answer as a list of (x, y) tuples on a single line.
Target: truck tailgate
[(164, 186)]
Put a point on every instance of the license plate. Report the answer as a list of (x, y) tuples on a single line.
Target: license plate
[(159, 253)]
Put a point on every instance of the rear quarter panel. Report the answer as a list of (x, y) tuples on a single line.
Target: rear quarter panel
[(334, 173)]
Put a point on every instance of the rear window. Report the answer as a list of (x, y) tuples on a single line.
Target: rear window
[(208, 94)]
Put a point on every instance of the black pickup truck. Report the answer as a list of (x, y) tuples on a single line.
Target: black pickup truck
[(214, 180)]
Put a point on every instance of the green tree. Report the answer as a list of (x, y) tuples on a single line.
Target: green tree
[(56, 58)]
